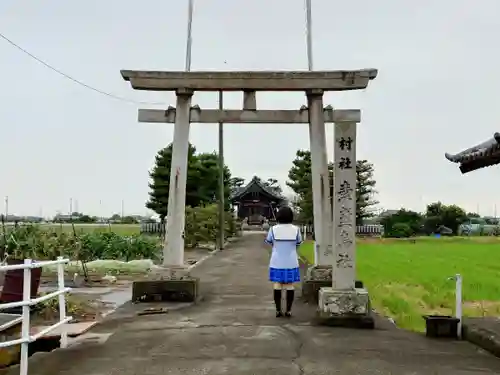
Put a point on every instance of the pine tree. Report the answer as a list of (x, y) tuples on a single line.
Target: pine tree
[(202, 184), (301, 183), (365, 191)]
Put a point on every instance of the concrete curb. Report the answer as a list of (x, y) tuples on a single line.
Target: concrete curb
[(481, 337), (212, 253), (200, 261)]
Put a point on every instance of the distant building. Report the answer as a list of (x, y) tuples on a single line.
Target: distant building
[(33, 219), (21, 219), (387, 213), (65, 217), (256, 201), (377, 219)]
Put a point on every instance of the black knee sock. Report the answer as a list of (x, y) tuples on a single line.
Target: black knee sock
[(277, 299), (290, 294)]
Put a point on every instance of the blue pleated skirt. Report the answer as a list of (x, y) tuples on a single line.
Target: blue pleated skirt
[(284, 275)]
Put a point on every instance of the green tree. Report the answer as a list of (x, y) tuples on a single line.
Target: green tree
[(86, 219), (438, 214), (299, 180), (129, 220), (202, 184), (401, 230), (207, 174), (473, 214), (270, 183), (365, 191), (236, 182), (412, 223), (274, 185)]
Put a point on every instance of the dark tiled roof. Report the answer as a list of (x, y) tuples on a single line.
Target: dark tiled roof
[(483, 155), (239, 192)]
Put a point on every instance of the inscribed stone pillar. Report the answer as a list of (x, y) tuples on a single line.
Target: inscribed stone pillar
[(345, 206), (342, 303), (173, 250)]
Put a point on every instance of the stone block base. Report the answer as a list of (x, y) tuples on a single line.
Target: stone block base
[(310, 289), (318, 277), (184, 290), (348, 308)]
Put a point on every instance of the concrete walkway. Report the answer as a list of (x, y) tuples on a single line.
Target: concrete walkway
[(234, 331)]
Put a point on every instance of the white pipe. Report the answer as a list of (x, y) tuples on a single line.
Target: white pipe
[(12, 267), (27, 302), (34, 301), (458, 303), (51, 328), (10, 323), (25, 329), (62, 303), (6, 344)]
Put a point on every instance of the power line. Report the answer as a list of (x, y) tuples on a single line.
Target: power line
[(67, 76)]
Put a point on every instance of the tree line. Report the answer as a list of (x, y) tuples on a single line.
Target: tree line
[(300, 181), (438, 218), (202, 187), (202, 184)]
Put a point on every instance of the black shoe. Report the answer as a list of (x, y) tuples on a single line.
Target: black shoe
[(279, 314), (288, 314)]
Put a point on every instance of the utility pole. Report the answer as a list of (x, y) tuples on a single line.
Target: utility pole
[(122, 210), (70, 206), (189, 39), (309, 35), (221, 176), (6, 207)]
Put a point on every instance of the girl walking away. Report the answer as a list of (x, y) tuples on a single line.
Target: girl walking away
[(284, 265)]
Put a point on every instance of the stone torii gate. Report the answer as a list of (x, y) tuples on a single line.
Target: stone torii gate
[(341, 299)]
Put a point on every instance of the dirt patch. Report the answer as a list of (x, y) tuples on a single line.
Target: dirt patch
[(81, 308), (482, 308), (405, 304)]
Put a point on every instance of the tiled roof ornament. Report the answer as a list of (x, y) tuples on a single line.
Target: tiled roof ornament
[(482, 155)]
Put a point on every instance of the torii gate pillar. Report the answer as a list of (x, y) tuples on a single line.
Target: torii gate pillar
[(175, 276)]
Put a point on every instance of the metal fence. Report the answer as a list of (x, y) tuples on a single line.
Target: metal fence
[(366, 230), (152, 228), (26, 304)]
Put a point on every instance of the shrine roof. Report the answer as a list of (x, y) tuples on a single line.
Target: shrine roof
[(255, 183), (480, 156)]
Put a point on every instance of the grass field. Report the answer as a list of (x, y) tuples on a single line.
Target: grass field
[(407, 280)]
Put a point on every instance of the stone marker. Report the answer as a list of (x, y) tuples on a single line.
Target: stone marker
[(343, 302)]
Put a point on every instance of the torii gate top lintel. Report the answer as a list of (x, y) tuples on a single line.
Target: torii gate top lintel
[(334, 80)]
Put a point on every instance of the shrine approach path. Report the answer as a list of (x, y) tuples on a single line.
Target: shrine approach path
[(234, 331)]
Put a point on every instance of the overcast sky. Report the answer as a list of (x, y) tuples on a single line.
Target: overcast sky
[(436, 92)]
